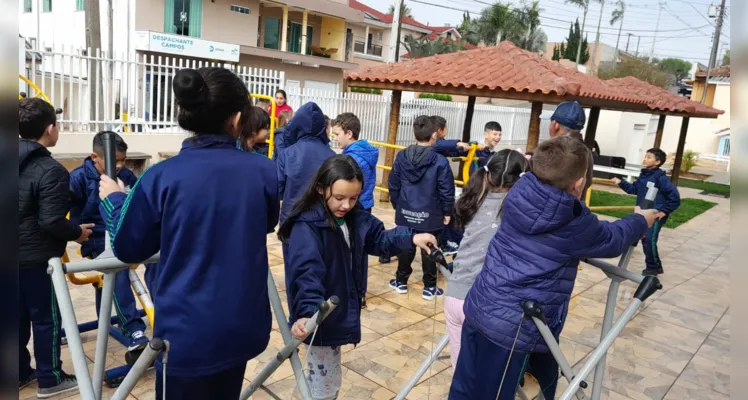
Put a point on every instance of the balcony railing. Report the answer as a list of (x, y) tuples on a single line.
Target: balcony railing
[(371, 49)]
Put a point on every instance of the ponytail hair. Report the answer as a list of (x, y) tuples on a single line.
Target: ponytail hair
[(502, 170)]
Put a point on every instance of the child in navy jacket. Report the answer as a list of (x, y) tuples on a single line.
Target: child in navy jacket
[(667, 201), (208, 210), (545, 230), (84, 191), (329, 237), (422, 191)]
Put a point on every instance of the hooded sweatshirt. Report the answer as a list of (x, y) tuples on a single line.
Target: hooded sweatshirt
[(308, 147), (543, 234), (668, 198), (366, 156), (422, 189)]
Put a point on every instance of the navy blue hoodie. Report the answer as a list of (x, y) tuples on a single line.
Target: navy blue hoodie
[(84, 191), (208, 210), (668, 198), (320, 264), (422, 189), (308, 147)]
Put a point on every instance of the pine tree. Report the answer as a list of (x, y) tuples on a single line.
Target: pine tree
[(569, 49), (585, 56), (562, 50), (556, 54)]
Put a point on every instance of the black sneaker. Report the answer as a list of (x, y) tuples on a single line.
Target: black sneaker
[(27, 380), (68, 383), (384, 260), (652, 271)]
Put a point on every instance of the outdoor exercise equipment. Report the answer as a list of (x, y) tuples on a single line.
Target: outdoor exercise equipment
[(273, 121), (648, 285)]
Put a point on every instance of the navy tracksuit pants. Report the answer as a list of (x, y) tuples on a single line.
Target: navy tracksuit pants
[(124, 305), (222, 385), (39, 312), (649, 243), (481, 365)]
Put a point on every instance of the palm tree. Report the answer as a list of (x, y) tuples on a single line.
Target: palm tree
[(404, 10), (497, 23), (529, 17), (585, 4), (617, 17)]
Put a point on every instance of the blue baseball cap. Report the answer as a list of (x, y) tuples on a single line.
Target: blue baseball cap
[(570, 114)]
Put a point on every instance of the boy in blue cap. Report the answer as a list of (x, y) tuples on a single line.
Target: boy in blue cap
[(84, 191), (667, 201)]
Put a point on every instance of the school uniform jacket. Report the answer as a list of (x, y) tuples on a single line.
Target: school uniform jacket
[(422, 189), (320, 264), (668, 198), (84, 192), (208, 210), (308, 148), (543, 234)]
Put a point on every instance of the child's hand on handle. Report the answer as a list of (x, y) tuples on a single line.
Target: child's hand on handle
[(447, 218), (108, 186), (86, 231), (463, 146), (298, 330), (423, 240), (650, 215)]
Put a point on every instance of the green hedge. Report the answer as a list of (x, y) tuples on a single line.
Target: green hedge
[(435, 96), (366, 90)]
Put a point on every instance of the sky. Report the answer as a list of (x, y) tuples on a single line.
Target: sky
[(685, 31)]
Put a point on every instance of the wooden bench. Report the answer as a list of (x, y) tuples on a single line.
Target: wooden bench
[(137, 162)]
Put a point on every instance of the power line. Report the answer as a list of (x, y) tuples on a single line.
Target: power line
[(633, 30)]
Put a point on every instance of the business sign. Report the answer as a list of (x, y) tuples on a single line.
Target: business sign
[(186, 46)]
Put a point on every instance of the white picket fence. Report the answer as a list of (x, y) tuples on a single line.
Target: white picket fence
[(139, 84), (373, 111)]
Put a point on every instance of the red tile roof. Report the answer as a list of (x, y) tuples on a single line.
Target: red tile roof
[(506, 67), (659, 99), (386, 18), (721, 72), (441, 29)]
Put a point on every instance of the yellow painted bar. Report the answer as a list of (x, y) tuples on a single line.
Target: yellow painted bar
[(468, 162), (381, 189), (387, 145), (588, 196), (271, 138), (38, 91)]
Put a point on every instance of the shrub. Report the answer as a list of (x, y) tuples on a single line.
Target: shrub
[(690, 158), (435, 96), (366, 90)]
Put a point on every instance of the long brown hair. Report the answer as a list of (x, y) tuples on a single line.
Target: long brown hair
[(284, 117), (502, 170)]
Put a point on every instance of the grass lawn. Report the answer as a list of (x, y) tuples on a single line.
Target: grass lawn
[(708, 187), (688, 209)]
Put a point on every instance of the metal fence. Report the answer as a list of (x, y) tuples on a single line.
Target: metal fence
[(132, 93)]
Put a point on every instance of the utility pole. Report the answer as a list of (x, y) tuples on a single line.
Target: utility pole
[(38, 25), (654, 40), (627, 42), (93, 43), (395, 35), (715, 48), (581, 33), (594, 65), (638, 41)]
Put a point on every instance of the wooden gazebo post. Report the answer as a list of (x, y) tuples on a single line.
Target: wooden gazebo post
[(679, 152), (589, 133), (533, 134), (468, 119), (660, 130), (389, 157)]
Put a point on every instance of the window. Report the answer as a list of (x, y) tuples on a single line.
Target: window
[(358, 46), (380, 35), (272, 33), (240, 9), (47, 6), (27, 6), (80, 5), (183, 17), (369, 43), (294, 38)]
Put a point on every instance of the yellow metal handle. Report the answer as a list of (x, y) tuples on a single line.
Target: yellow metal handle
[(468, 162), (273, 120), (38, 91)]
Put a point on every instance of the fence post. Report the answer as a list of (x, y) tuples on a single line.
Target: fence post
[(389, 158)]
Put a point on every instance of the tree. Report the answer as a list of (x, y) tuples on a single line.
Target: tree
[(468, 29), (726, 58), (529, 18), (617, 18), (638, 69), (425, 48), (569, 51), (585, 5), (556, 55), (404, 10), (675, 66)]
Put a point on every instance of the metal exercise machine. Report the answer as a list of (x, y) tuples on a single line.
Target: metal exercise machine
[(648, 285)]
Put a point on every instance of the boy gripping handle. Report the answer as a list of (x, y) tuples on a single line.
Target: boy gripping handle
[(422, 191), (667, 201), (545, 230)]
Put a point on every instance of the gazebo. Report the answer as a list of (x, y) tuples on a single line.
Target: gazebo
[(508, 72)]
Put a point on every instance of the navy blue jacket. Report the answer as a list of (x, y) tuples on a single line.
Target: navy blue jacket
[(208, 210), (448, 148), (483, 155), (320, 264), (668, 198), (308, 147), (422, 189), (84, 193), (534, 255), (279, 142), (366, 156)]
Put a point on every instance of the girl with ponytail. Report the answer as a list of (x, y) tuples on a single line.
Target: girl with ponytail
[(478, 212)]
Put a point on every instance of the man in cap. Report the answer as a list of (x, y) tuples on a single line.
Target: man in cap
[(568, 120)]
